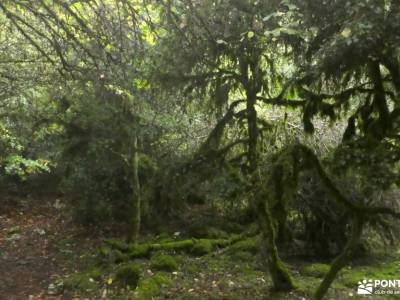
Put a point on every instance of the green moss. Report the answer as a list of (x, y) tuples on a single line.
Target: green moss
[(384, 269), (350, 279), (80, 282), (184, 245), (164, 237), (128, 275), (221, 242), (202, 247), (307, 285), (149, 287), (163, 263), (139, 251), (316, 270), (166, 240), (248, 245)]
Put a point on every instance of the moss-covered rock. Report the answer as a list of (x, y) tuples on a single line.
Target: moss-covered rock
[(163, 263), (128, 275), (316, 270), (149, 287), (202, 247), (80, 282), (247, 245)]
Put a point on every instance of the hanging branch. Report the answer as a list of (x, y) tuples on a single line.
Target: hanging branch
[(341, 199), (282, 102)]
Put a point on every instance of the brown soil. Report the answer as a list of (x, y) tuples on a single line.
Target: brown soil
[(31, 258)]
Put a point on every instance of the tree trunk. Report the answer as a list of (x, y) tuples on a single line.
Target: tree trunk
[(280, 275), (136, 198), (340, 261), (252, 131), (380, 97)]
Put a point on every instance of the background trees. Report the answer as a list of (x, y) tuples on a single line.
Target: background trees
[(141, 108)]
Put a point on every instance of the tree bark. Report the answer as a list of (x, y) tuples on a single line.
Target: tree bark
[(135, 220), (252, 130), (340, 261), (380, 97), (280, 275)]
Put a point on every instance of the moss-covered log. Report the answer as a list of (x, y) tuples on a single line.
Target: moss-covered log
[(196, 247)]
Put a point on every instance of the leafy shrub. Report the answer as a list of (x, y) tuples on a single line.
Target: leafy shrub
[(16, 165), (13, 165)]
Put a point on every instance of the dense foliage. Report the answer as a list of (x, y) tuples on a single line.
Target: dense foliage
[(285, 113)]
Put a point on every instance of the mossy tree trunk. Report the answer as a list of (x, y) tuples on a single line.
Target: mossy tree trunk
[(380, 99), (280, 275), (252, 78), (340, 261), (252, 132), (135, 215)]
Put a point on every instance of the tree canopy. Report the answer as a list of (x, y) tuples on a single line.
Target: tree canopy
[(284, 114)]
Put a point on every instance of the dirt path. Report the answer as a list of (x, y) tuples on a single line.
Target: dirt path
[(29, 256)]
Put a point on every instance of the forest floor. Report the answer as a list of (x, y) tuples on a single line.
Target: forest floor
[(44, 255), (38, 245)]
